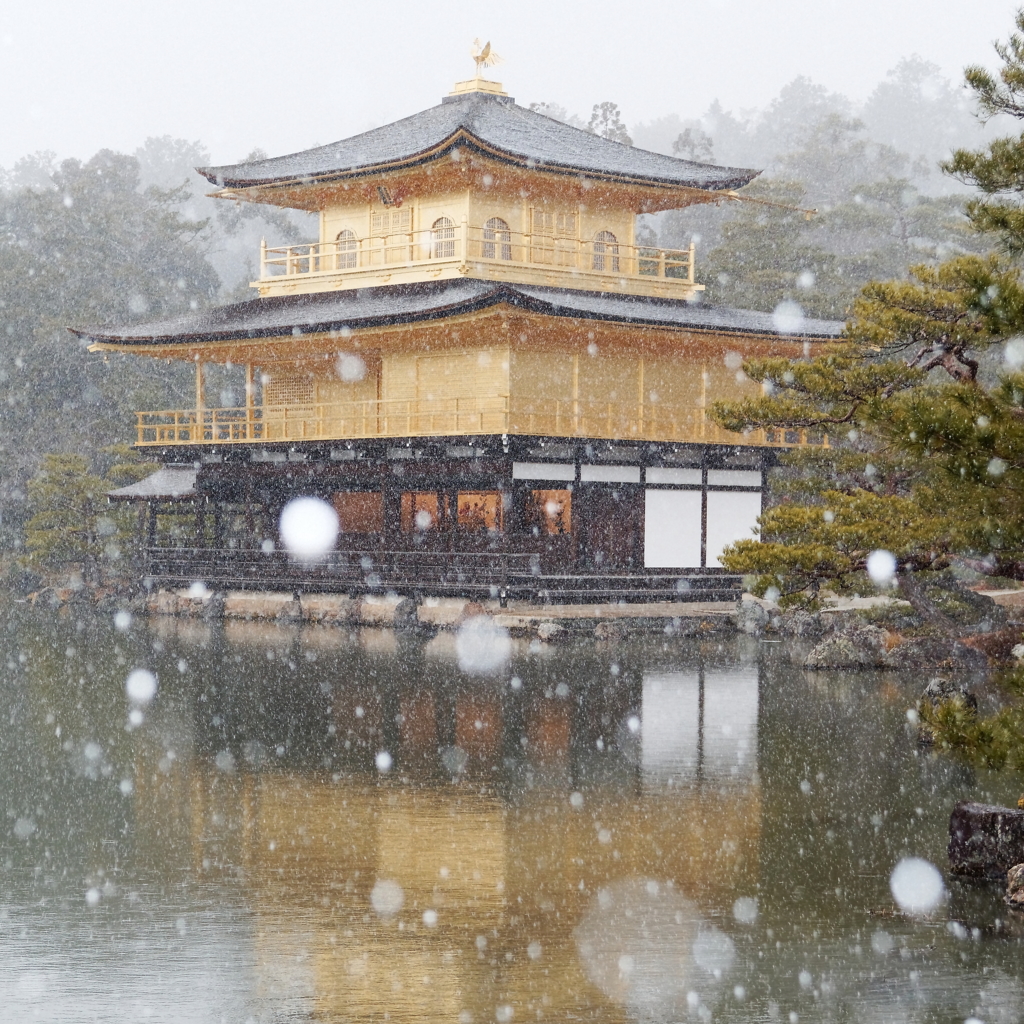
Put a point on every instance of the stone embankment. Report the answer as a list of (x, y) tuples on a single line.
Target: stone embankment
[(549, 622), (839, 636)]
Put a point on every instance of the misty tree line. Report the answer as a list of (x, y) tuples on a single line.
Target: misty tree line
[(870, 171), (128, 238)]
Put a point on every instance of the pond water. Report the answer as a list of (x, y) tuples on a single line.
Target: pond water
[(331, 825)]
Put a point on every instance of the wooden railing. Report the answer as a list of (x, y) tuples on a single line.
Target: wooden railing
[(445, 417), (324, 421), (467, 244)]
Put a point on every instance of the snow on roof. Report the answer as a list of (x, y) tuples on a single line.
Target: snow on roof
[(386, 305), (166, 484), (494, 124)]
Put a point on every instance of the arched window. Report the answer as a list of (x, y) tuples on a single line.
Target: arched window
[(606, 252), (347, 249), (442, 234), (497, 240)]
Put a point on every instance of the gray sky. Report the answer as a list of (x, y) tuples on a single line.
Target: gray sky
[(79, 75)]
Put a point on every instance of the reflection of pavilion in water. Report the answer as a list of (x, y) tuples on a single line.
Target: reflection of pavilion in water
[(499, 849)]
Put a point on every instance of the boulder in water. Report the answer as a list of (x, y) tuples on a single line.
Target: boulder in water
[(550, 632), (985, 840), (800, 622), (936, 653), (860, 648), (939, 690), (1015, 886), (752, 617)]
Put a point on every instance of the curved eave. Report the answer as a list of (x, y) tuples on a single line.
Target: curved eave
[(99, 342), (462, 137), (489, 298)]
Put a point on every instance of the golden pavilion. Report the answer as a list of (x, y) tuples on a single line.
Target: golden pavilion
[(501, 390)]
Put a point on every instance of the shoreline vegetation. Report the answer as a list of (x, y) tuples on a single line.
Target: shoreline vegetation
[(922, 483)]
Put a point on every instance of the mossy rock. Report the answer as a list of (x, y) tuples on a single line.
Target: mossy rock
[(964, 607)]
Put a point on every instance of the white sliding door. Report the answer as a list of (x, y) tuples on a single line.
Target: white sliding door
[(732, 516), (671, 529)]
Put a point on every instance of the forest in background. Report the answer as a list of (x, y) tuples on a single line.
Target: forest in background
[(130, 237)]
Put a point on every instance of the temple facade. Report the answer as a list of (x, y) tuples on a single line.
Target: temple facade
[(499, 387)]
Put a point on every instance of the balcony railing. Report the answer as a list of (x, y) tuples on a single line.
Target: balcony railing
[(443, 418), (497, 249)]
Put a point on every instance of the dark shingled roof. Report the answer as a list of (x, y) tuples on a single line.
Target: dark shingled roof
[(494, 124), (398, 304)]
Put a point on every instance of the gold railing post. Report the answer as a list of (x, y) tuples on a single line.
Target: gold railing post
[(263, 257), (575, 393), (703, 401), (690, 268)]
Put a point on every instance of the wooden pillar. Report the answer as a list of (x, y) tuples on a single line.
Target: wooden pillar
[(141, 558), (151, 526), (250, 519), (200, 523), (575, 392), (250, 403), (704, 508), (199, 432), (703, 401), (391, 495), (640, 396), (450, 523)]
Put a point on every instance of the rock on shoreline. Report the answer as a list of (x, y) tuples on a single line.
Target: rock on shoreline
[(985, 841)]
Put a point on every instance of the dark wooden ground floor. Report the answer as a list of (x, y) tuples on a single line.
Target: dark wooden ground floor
[(519, 517)]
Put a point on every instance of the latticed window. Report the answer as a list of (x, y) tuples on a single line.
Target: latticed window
[(289, 391), (390, 222), (347, 249), (554, 225), (606, 252), (554, 238), (497, 240), (442, 234)]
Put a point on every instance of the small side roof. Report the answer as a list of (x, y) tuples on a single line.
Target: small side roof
[(389, 305), (492, 124), (171, 483)]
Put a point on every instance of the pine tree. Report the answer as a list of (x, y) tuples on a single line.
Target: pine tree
[(72, 523), (923, 402), (766, 257), (928, 460), (997, 170)]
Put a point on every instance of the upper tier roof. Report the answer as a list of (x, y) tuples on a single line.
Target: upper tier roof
[(388, 305), (495, 125)]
